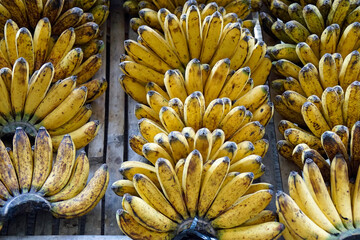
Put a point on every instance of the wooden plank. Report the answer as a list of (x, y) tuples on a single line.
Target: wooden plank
[(286, 166), (43, 223), (95, 153), (17, 225), (116, 117)]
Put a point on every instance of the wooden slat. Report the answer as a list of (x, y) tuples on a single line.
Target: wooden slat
[(95, 151), (17, 225), (116, 117), (43, 223)]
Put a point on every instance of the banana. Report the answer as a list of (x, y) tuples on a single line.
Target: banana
[(278, 29), (213, 114), (257, 54), (193, 74), (244, 149), (343, 132), (306, 54), (133, 229), (87, 69), (293, 85), (5, 103), (67, 19), (328, 72), (211, 183), (340, 192), (297, 136), (332, 114), (296, 31), (177, 37), (228, 43), (313, 18), (241, 52), (143, 111), (191, 181), (333, 145), (33, 11), (148, 191), (267, 230), (55, 96), (178, 145), (150, 17), (351, 112), (235, 85), (145, 56), (297, 220), (295, 11), (262, 71), (85, 18), (314, 119), (316, 185), (309, 205), (329, 39), (229, 193), (193, 114), (77, 181), (279, 9), (287, 68), (228, 149), (81, 136), (62, 169), (134, 88), (338, 11), (347, 41), (233, 121), (218, 138), (254, 98), (178, 106), (152, 151), (86, 32), (171, 186), (68, 64), (38, 89), (43, 159), (10, 31), (193, 31), (9, 174), (158, 44), (66, 110), (62, 47), (354, 146), (52, 9), (87, 199), (129, 168), (309, 80), (203, 143), (19, 87), (120, 187), (211, 36), (41, 41), (285, 51), (264, 113), (96, 87), (93, 47), (149, 129), (22, 159), (355, 198), (137, 142), (246, 206)]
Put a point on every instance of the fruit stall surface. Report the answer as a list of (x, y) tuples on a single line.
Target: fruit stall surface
[(115, 110)]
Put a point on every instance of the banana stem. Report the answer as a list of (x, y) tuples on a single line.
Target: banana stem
[(10, 128)]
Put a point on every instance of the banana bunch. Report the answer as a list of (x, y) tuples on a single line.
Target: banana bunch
[(339, 140), (84, 15), (216, 82), (312, 49), (214, 41), (66, 59), (337, 112), (315, 210), (163, 201), (245, 156), (29, 175), (296, 21), (312, 82), (148, 10), (32, 102), (239, 122)]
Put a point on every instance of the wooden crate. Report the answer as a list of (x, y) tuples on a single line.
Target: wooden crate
[(115, 110)]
